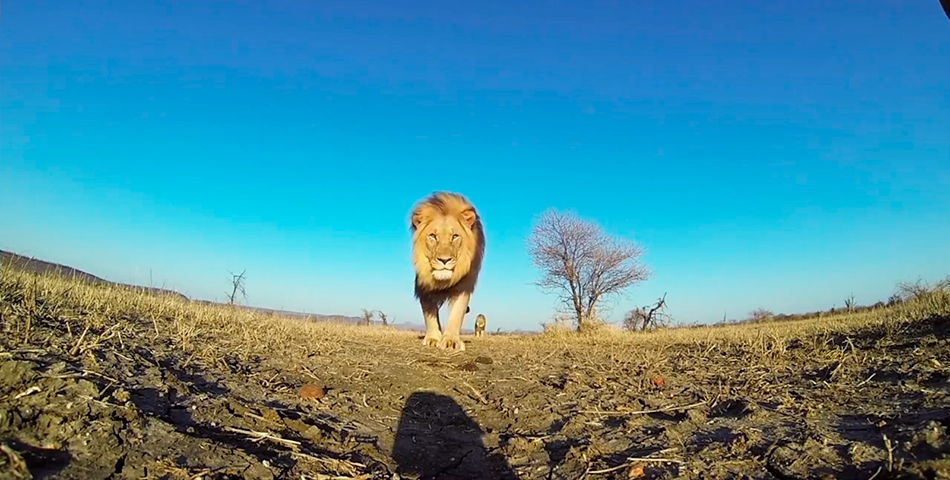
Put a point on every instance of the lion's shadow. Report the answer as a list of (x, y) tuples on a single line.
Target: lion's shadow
[(435, 439)]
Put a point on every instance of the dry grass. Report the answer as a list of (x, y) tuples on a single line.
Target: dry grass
[(558, 390), (93, 314)]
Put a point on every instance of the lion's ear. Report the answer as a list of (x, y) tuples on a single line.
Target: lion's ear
[(468, 217), (418, 218)]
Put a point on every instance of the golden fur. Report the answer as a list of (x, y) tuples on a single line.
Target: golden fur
[(480, 325), (448, 245)]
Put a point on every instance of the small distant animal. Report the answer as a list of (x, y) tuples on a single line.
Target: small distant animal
[(479, 325)]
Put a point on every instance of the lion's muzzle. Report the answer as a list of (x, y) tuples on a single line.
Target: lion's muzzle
[(442, 268)]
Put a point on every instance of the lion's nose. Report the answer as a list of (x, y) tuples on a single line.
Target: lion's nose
[(445, 260)]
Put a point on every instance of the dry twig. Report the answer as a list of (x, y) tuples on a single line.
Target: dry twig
[(16, 463), (261, 436), (76, 348), (642, 412), (28, 391), (478, 394)]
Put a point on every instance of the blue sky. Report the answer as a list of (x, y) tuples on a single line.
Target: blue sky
[(778, 154)]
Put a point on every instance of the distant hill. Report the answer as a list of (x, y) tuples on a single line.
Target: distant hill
[(313, 317), (43, 267)]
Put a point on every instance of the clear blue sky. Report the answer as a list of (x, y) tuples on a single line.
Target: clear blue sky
[(766, 154)]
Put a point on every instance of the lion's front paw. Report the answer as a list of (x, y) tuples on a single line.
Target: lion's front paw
[(432, 339), (452, 341)]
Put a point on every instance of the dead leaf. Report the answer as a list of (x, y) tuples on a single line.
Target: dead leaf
[(636, 471)]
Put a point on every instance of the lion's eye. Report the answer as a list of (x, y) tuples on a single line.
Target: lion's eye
[(454, 236), (432, 236)]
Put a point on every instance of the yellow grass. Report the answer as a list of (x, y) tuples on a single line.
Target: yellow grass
[(97, 313)]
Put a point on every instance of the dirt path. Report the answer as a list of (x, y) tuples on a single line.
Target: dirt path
[(870, 403)]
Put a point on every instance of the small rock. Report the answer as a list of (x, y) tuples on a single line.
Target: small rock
[(86, 388), (258, 472), (56, 368), (657, 381), (271, 414), (518, 444), (484, 359), (312, 390), (469, 367), (696, 416), (16, 373)]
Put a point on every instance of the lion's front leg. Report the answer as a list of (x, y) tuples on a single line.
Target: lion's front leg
[(452, 337), (430, 313)]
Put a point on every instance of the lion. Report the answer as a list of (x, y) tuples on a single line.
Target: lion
[(479, 325), (448, 245)]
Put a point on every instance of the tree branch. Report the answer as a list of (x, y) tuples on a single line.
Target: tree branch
[(580, 263)]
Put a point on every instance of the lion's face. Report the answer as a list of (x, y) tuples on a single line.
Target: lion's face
[(444, 240), (447, 241)]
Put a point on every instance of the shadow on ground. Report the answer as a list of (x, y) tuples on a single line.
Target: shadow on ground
[(436, 439)]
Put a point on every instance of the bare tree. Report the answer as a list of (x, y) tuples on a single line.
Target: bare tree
[(849, 303), (912, 290), (382, 317), (367, 317), (581, 263), (648, 316), (237, 286), (760, 315)]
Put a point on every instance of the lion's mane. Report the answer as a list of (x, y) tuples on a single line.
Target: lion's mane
[(469, 257)]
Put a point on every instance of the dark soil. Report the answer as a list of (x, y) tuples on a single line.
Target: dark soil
[(139, 408)]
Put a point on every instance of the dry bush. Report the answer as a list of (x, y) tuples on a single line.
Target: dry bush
[(760, 315), (918, 289), (367, 318), (559, 325), (648, 317)]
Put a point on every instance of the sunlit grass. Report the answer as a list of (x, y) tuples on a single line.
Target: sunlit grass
[(94, 314)]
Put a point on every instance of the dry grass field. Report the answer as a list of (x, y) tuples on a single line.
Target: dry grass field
[(97, 382)]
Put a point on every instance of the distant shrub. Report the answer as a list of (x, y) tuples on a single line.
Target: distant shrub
[(760, 315)]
